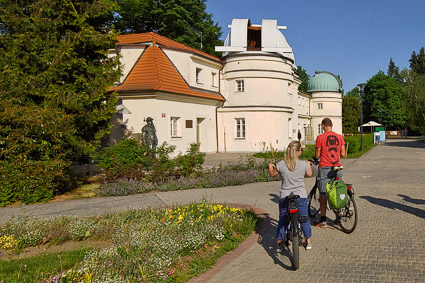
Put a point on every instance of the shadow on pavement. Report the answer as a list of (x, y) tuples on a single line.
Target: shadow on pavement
[(268, 242), (406, 143), (412, 200), (274, 198), (394, 205)]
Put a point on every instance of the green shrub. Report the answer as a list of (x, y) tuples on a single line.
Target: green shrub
[(354, 143), (191, 162), (32, 181), (126, 153), (130, 159), (308, 153)]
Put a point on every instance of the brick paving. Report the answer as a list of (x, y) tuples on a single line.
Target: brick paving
[(387, 245)]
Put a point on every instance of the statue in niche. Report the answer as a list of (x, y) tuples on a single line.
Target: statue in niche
[(149, 137)]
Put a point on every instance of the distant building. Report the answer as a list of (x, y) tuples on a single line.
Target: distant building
[(246, 102)]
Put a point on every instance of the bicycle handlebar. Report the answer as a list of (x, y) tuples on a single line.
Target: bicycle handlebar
[(314, 161)]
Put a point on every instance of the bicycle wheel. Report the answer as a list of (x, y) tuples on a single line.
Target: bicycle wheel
[(295, 242), (314, 203), (347, 218)]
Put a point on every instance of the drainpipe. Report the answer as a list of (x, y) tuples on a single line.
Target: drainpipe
[(216, 127), (216, 110)]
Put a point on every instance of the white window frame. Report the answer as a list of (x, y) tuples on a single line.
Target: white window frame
[(240, 128), (175, 127), (319, 105), (240, 86), (213, 79), (320, 129), (198, 75)]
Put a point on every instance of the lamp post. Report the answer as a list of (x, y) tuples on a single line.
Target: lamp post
[(361, 90)]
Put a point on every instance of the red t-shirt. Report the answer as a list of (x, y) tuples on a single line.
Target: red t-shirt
[(330, 144)]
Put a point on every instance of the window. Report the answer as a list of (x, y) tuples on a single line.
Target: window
[(319, 105), (175, 127), (240, 86), (189, 124), (198, 75), (240, 128), (290, 131), (214, 79), (320, 129)]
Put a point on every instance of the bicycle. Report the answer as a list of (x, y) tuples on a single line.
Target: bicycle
[(346, 217), (293, 232)]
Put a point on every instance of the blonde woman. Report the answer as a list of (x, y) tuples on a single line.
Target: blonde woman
[(292, 170)]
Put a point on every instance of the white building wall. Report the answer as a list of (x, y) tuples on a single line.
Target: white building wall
[(162, 111), (264, 129), (187, 64), (129, 56), (331, 107), (266, 78), (266, 104)]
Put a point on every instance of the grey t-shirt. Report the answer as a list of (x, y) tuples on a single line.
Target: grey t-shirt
[(292, 181)]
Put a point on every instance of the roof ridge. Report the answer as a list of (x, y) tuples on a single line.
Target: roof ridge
[(157, 64), (162, 40)]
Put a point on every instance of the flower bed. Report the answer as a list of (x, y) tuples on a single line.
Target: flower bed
[(147, 245)]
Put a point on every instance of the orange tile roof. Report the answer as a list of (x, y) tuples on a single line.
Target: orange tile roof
[(154, 71), (159, 40)]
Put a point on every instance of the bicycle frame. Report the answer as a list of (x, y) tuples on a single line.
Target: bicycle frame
[(294, 233), (293, 216)]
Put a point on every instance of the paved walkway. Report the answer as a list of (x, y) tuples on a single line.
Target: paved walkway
[(387, 246)]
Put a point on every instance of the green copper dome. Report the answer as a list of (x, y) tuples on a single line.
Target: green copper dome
[(324, 81)]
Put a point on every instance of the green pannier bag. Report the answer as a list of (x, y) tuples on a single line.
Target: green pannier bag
[(337, 194)]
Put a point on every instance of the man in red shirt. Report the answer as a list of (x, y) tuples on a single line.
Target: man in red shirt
[(329, 148)]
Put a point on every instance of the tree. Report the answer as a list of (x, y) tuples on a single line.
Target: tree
[(351, 111), (415, 101), (353, 93), (415, 91), (304, 77), (55, 108), (185, 21), (340, 81), (417, 62), (384, 101), (393, 71)]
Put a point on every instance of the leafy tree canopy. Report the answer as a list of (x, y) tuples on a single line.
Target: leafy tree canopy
[(394, 71), (185, 21), (54, 75), (415, 91), (304, 77), (353, 93), (351, 112), (383, 101), (417, 62)]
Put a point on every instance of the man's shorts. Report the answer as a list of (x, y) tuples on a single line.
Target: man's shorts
[(324, 175)]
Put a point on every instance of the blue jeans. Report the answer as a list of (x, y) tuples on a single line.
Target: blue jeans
[(283, 217)]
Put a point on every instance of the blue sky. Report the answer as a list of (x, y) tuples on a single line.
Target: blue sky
[(352, 38)]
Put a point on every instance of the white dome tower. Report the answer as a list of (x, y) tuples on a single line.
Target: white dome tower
[(326, 101), (259, 83)]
